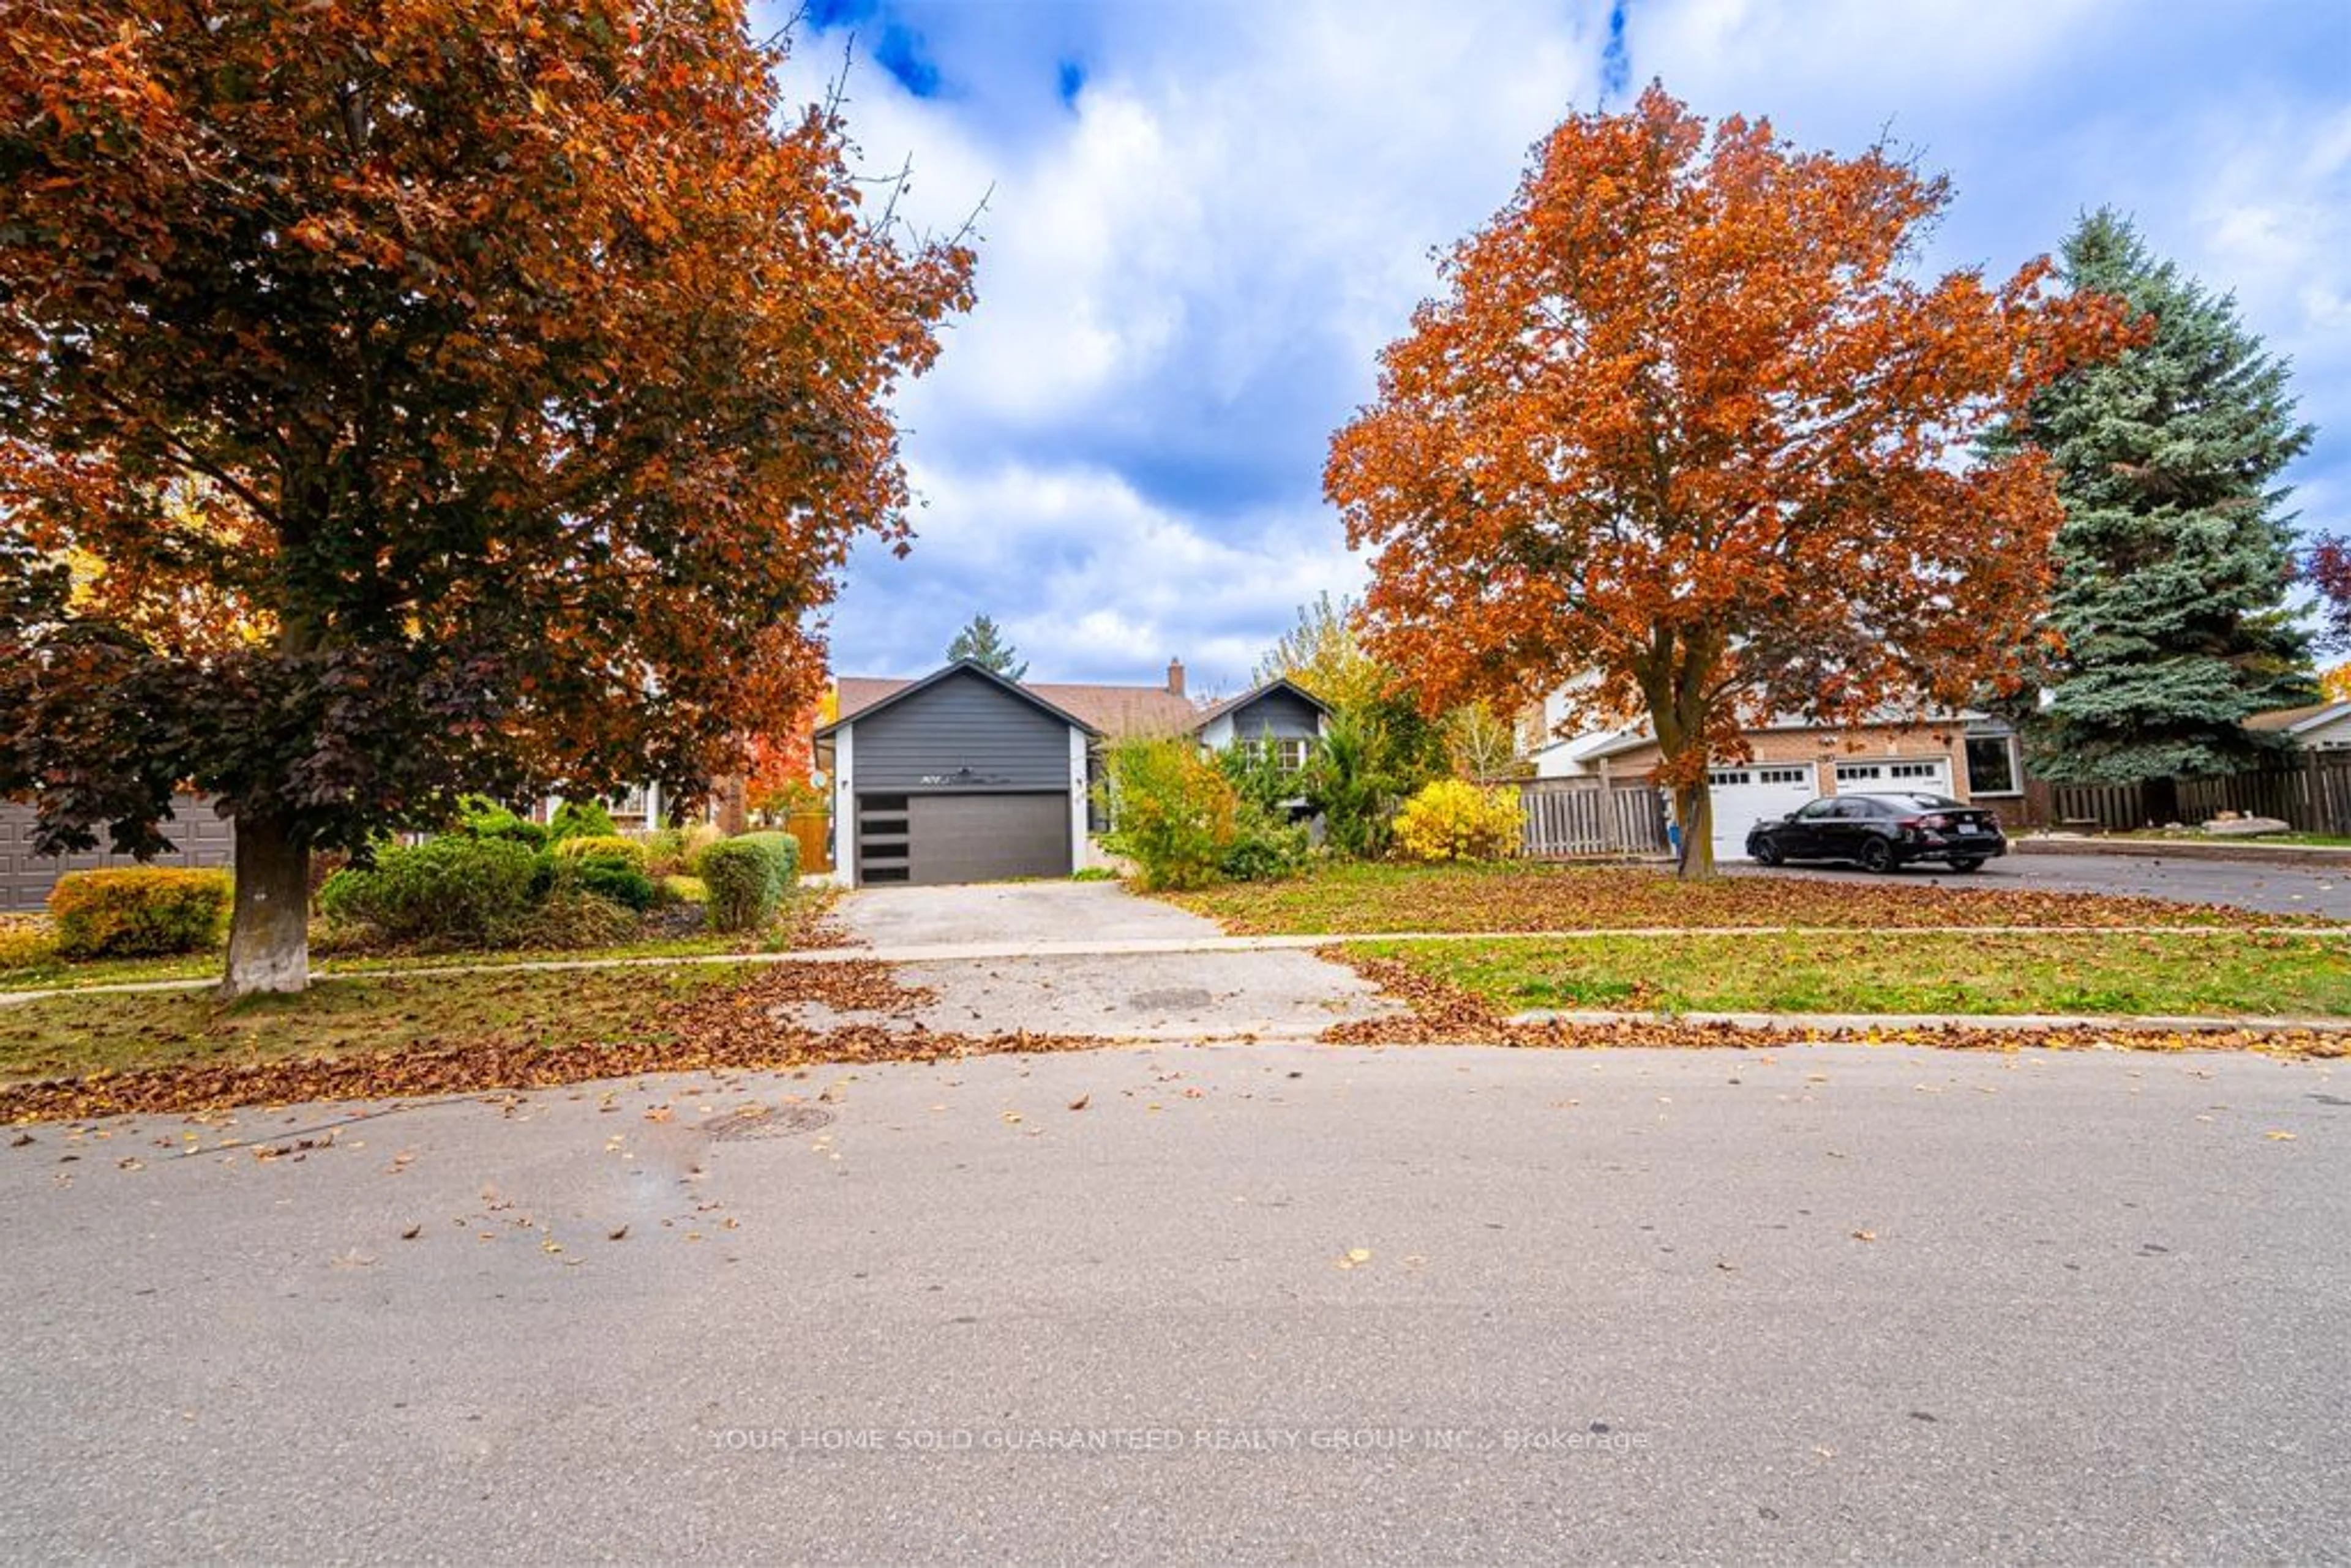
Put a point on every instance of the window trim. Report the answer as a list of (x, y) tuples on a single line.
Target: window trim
[(2015, 791)]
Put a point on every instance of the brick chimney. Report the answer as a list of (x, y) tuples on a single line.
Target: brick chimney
[(1174, 677)]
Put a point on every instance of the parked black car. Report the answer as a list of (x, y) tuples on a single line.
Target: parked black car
[(1881, 832)]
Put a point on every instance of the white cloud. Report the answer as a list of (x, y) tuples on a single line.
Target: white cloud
[(1186, 275)]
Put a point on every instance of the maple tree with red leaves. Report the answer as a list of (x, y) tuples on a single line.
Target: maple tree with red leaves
[(1685, 439), (398, 401)]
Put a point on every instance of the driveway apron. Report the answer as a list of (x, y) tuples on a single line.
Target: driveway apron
[(1152, 997)]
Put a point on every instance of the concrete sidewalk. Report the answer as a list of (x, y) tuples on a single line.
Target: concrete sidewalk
[(1153, 947)]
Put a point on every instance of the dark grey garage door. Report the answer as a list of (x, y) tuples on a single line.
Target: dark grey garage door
[(201, 838), (933, 838)]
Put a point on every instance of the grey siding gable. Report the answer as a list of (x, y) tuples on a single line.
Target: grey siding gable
[(1287, 715), (963, 726)]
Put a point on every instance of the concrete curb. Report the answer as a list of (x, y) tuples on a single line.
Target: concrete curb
[(1151, 946), (2313, 856), (1852, 1023)]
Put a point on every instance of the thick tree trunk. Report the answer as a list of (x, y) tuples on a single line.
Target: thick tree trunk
[(269, 936), (1694, 810)]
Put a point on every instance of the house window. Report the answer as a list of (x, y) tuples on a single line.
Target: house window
[(1289, 754), (1992, 765)]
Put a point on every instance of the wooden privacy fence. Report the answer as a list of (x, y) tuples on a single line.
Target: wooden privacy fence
[(1566, 817), (2311, 791), (814, 832)]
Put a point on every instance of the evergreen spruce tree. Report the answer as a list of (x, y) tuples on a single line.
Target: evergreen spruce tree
[(981, 642), (2173, 563)]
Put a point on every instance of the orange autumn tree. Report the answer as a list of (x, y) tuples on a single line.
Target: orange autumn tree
[(1685, 438), (402, 401)]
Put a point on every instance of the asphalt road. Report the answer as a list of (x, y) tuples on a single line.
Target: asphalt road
[(1248, 1303), (2275, 889)]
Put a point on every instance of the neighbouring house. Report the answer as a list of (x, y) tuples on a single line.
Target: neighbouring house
[(1968, 755), (2320, 727), (965, 776)]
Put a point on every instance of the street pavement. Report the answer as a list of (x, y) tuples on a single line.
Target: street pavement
[(2322, 890), (1271, 1302)]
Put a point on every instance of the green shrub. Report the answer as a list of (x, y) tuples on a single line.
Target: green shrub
[(684, 890), (137, 912), (581, 819), (485, 819), (1265, 847), (665, 851), (747, 877), (785, 850), (455, 889), (1348, 782), (623, 884), (606, 850), (1174, 815), (1454, 821)]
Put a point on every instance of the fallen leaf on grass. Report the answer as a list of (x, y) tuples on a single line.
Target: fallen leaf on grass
[(1865, 1236), (2279, 1137), (1355, 1258)]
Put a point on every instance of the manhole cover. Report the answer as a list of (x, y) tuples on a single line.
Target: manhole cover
[(760, 1122)]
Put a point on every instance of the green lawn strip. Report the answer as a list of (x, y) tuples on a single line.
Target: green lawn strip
[(1897, 973), (60, 1036)]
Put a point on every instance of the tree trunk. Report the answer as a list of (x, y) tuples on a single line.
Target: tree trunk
[(269, 936), (1694, 811)]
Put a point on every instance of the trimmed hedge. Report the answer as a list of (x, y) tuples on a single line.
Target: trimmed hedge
[(454, 889), (581, 819), (747, 877), (610, 851), (138, 912)]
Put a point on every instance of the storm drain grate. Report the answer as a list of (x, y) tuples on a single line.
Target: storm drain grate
[(761, 1121)]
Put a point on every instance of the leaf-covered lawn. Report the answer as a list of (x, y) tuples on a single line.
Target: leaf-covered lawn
[(1374, 899), (67, 1058), (118, 1032), (2214, 977), (802, 924)]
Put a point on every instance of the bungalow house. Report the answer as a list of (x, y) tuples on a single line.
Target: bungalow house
[(965, 776), (1967, 756), (2320, 727)]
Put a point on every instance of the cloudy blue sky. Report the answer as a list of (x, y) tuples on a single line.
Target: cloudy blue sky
[(1203, 220)]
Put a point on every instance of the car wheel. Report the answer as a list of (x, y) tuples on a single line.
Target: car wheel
[(1967, 863), (1877, 855), (1766, 852)]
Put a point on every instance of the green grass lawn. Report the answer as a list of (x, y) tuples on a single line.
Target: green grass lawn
[(1372, 899), (1900, 973), (74, 1035)]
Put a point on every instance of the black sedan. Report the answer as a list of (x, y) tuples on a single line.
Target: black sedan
[(1881, 832)]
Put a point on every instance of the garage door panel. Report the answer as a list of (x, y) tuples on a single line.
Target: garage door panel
[(1743, 796), (986, 837)]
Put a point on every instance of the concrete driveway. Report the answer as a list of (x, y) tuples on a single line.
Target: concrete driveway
[(1276, 1304), (1169, 996)]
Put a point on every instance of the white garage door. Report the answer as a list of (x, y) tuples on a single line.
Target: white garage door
[(1743, 796), (1864, 778)]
